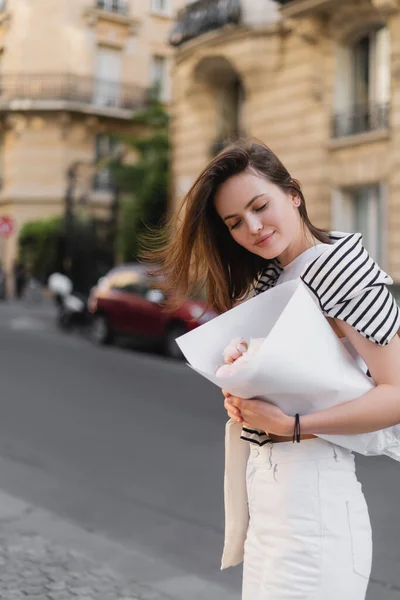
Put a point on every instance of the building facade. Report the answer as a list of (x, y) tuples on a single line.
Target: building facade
[(319, 82), (72, 73)]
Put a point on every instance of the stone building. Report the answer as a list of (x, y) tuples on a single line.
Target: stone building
[(319, 81), (71, 73)]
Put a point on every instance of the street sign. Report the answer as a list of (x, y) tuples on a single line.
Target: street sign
[(7, 226)]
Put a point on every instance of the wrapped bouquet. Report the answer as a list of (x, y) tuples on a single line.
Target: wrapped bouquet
[(294, 360)]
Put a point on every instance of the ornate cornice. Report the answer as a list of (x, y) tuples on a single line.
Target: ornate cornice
[(93, 15)]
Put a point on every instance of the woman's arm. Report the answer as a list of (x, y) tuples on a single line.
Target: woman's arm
[(375, 410)]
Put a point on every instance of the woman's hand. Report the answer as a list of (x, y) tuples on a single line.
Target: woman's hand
[(259, 414), (233, 412)]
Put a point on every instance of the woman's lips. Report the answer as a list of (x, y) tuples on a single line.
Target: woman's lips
[(265, 240)]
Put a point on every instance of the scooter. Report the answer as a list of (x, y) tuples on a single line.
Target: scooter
[(72, 305)]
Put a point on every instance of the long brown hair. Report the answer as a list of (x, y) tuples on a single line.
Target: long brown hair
[(196, 246)]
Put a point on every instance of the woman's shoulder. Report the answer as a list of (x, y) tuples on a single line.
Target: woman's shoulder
[(340, 262), (349, 285)]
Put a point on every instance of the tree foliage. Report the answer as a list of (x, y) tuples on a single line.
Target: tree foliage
[(144, 183), (39, 243), (42, 246)]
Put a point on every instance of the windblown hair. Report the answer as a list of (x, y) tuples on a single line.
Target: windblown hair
[(196, 247)]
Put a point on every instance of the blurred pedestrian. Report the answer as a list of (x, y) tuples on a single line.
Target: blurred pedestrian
[(20, 278), (295, 512)]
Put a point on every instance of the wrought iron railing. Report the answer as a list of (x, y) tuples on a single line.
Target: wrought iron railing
[(70, 88), (116, 6), (360, 119), (202, 16)]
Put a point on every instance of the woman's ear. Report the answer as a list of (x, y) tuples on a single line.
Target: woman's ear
[(296, 201)]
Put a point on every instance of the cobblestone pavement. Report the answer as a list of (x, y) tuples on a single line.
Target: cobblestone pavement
[(32, 568)]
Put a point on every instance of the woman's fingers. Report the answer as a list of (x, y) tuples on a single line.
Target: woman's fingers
[(226, 394), (228, 404), (235, 417), (233, 412)]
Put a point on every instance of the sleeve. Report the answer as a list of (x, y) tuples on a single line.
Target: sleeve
[(350, 286)]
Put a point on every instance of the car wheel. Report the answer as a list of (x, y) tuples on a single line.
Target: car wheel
[(100, 332), (171, 348)]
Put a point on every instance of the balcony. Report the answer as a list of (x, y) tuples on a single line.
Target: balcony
[(360, 119), (75, 93), (120, 7), (203, 16)]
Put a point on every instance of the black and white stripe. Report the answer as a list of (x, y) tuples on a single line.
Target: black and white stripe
[(255, 436), (349, 286), (269, 276)]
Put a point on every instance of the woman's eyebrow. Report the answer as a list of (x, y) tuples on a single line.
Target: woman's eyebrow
[(246, 207)]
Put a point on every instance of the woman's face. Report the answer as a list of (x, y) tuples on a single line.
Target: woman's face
[(260, 216)]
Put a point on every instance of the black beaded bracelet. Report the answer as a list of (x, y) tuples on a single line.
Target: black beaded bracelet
[(296, 432)]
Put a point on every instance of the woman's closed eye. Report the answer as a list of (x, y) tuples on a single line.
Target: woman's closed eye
[(235, 225), (258, 209)]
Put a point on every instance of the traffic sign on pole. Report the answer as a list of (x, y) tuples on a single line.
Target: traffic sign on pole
[(7, 226)]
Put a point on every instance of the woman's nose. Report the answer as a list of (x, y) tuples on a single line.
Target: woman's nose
[(255, 225)]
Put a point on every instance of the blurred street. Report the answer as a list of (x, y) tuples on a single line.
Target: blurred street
[(118, 455)]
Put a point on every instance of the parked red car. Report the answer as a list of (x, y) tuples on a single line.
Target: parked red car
[(124, 302)]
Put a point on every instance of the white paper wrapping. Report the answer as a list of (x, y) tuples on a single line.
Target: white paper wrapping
[(302, 367)]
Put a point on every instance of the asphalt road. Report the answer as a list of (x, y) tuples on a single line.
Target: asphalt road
[(130, 446)]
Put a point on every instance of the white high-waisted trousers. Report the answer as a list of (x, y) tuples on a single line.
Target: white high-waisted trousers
[(309, 534)]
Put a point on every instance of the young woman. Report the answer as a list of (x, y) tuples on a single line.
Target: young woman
[(295, 513)]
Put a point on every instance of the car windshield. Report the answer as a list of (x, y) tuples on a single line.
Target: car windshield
[(138, 281)]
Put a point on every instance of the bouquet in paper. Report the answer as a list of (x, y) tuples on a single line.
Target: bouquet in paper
[(298, 362)]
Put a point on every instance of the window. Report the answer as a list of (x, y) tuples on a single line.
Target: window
[(129, 282), (107, 90), (363, 84), (159, 79), (105, 147), (160, 6), (117, 6), (229, 102), (361, 210)]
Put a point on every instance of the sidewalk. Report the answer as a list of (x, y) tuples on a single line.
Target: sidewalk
[(45, 557), (34, 567)]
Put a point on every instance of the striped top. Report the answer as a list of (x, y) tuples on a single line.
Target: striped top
[(348, 285)]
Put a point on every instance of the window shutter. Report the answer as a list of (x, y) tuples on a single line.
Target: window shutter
[(344, 76), (382, 57)]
